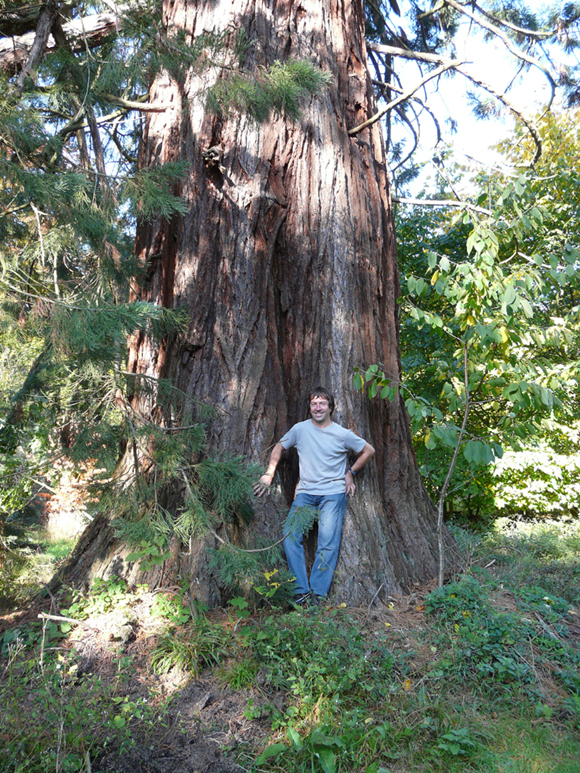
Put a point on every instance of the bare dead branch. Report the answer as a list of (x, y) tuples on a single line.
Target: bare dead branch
[(92, 29), (46, 19), (441, 203), (406, 53), (447, 64), (502, 98), (414, 134), (139, 103), (517, 52), (453, 64)]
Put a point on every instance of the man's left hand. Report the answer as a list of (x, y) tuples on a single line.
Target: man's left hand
[(349, 480)]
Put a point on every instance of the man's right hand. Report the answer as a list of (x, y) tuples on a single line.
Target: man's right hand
[(262, 486)]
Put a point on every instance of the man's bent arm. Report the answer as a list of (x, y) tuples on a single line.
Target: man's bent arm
[(268, 476), (367, 452)]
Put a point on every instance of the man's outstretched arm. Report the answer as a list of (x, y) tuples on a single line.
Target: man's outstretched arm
[(367, 452), (265, 481)]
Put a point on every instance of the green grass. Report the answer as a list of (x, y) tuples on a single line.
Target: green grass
[(31, 558), (541, 552), (523, 747)]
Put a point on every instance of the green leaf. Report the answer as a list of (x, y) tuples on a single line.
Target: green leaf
[(509, 295), (478, 453), (547, 397), (294, 738), (526, 306), (271, 751), (327, 758), (470, 242), (388, 393)]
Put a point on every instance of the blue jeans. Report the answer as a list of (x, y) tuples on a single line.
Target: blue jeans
[(330, 509)]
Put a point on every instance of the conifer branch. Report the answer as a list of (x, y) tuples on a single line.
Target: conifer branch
[(47, 17), (79, 122), (139, 103), (517, 52), (522, 30), (453, 64), (407, 53)]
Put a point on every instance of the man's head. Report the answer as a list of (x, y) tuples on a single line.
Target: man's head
[(321, 404)]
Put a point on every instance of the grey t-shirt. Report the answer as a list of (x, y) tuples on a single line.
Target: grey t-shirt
[(322, 454)]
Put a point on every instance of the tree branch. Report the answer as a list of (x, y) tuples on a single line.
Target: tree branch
[(502, 98), (506, 41), (94, 29), (441, 203), (47, 17), (403, 98), (445, 486), (521, 30), (139, 103), (406, 53), (447, 64)]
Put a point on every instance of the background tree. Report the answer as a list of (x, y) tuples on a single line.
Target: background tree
[(518, 238)]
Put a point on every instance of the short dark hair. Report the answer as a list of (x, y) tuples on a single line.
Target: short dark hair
[(322, 392)]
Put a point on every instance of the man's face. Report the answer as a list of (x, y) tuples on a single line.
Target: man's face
[(319, 410)]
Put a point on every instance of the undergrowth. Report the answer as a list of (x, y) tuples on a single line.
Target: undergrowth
[(60, 715), (480, 676), (544, 552)]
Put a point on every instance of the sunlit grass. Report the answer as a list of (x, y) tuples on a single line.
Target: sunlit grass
[(30, 562), (528, 745), (540, 552)]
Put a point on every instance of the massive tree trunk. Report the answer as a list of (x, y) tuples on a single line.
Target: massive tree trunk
[(287, 263)]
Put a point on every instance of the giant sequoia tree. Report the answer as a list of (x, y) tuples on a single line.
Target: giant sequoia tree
[(287, 262)]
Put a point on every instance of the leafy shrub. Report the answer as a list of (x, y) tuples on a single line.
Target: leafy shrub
[(540, 551), (316, 659), (458, 600), (538, 481), (54, 718), (539, 600), (488, 643)]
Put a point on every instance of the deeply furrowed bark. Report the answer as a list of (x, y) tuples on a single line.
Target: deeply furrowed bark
[(287, 263)]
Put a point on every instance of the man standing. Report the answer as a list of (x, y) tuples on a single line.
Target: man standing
[(325, 480)]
